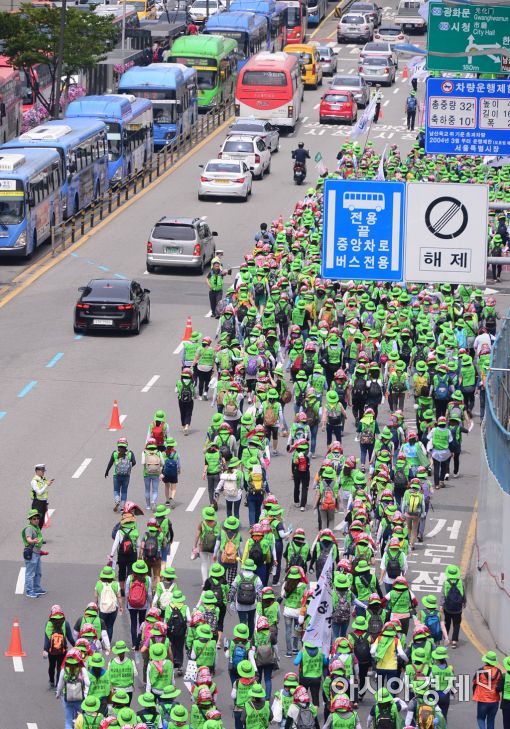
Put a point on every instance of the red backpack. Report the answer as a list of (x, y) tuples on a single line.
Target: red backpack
[(137, 594)]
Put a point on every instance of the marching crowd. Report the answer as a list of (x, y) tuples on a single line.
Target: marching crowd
[(293, 355)]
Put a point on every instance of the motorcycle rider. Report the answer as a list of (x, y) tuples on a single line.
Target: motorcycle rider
[(300, 155)]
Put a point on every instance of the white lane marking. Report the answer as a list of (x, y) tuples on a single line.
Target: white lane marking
[(122, 418), (171, 554), (81, 468), (316, 106), (151, 382), (145, 273), (178, 349), (219, 203), (31, 725), (441, 523), (351, 70), (17, 664), (354, 51), (20, 582), (454, 529), (395, 91), (47, 518), (386, 102), (208, 315), (194, 501)]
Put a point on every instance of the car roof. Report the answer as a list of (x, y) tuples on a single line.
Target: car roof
[(249, 120), (389, 26), (115, 283), (178, 221), (240, 138), (347, 80), (224, 162)]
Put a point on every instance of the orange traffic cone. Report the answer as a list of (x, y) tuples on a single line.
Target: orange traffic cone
[(188, 330), (15, 649), (280, 222), (47, 521), (405, 73), (115, 423)]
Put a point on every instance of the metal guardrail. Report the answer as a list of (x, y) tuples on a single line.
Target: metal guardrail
[(72, 229), (497, 418)]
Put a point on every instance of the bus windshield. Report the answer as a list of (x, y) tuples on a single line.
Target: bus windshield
[(26, 88), (206, 80), (293, 17), (12, 210), (113, 134), (164, 113)]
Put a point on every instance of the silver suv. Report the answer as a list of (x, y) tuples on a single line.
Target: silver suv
[(180, 243), (355, 27)]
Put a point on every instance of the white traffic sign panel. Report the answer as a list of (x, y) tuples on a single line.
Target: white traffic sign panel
[(446, 233)]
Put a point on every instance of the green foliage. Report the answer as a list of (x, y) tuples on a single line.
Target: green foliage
[(32, 36)]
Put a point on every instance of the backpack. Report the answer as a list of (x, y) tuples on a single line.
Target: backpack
[(123, 466), (302, 463), (256, 553), (252, 367), (425, 717), (230, 485), (280, 315), (324, 550), (442, 389), (246, 593), (361, 648), (308, 363), (151, 550), (414, 504), (259, 289), (335, 416), (296, 365), (186, 394), (229, 554), (454, 600), (305, 718), (398, 384), (211, 619), (238, 654), (393, 568), (126, 546), (400, 478), (231, 408), (433, 623), (375, 391), (270, 416), (108, 599), (405, 352), (255, 484), (152, 464), (165, 598), (170, 469), (375, 625), (176, 624), (342, 612), (264, 655), (384, 718), (411, 103), (328, 498), (421, 386), (74, 690), (137, 597), (208, 539), (312, 414), (242, 310), (57, 644), (359, 389), (367, 436), (228, 325), (296, 560)]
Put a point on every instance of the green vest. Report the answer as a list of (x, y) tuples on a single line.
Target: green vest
[(341, 721), (99, 687), (312, 666), (257, 718), (92, 722), (39, 535), (468, 376), (242, 693), (294, 599), (122, 674), (190, 350), (205, 653), (440, 439), (443, 678), (165, 678), (206, 356), (400, 601), (298, 316), (362, 590), (271, 612), (506, 687), (216, 281), (213, 462)]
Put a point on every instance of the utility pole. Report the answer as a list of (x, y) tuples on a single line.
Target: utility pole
[(60, 62)]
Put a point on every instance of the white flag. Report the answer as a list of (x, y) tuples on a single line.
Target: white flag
[(380, 176), (364, 120), (318, 632)]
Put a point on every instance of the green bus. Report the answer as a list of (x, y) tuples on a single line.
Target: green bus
[(215, 60)]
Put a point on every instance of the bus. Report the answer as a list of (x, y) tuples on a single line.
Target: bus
[(296, 20), (363, 200), (30, 198), (36, 82), (270, 87), (247, 29), (214, 59), (316, 11), (146, 9), (83, 150), (116, 13), (128, 123), (172, 88), (10, 101), (276, 29)]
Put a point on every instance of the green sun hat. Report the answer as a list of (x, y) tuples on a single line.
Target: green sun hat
[(170, 692), (147, 700), (139, 567), (90, 704)]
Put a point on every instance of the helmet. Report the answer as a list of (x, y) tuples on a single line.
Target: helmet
[(301, 696), (301, 145), (262, 623), (341, 703)]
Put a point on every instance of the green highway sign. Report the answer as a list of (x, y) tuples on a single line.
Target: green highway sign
[(468, 38)]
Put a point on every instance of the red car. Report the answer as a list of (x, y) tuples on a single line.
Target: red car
[(338, 106)]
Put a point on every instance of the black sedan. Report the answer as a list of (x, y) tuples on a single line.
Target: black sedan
[(112, 304)]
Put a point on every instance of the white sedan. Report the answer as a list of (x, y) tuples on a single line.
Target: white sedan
[(225, 178)]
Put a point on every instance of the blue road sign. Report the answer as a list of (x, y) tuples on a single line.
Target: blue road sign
[(363, 233), (467, 116)]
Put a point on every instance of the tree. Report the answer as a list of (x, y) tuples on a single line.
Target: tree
[(32, 36)]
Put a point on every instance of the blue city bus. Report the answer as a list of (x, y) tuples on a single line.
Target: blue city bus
[(275, 15), (31, 187), (83, 150), (316, 11), (247, 29), (128, 123), (172, 88)]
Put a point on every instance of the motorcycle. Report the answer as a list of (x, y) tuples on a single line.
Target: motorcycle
[(299, 173)]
